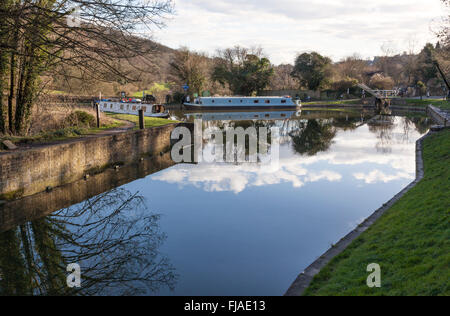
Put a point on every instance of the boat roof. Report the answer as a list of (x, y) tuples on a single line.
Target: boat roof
[(271, 97)]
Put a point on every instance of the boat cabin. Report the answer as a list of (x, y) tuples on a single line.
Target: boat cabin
[(150, 110)]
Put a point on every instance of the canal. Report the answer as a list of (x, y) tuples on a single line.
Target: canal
[(222, 229)]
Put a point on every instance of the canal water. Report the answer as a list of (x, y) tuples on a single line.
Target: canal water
[(212, 228)]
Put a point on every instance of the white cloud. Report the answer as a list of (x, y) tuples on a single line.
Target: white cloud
[(285, 27), (232, 178), (377, 176), (357, 149)]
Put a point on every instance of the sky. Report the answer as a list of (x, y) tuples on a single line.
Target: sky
[(285, 28)]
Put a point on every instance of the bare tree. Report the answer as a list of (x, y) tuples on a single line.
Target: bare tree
[(41, 35), (444, 32), (352, 67), (113, 237), (282, 79), (190, 68), (409, 62)]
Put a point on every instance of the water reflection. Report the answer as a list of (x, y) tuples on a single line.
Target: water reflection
[(383, 127), (316, 137), (225, 228), (106, 229), (345, 139), (111, 236)]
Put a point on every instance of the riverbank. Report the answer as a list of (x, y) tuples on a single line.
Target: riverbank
[(111, 124), (410, 241), (64, 123), (440, 103), (332, 102), (64, 134), (24, 172), (148, 121), (407, 103)]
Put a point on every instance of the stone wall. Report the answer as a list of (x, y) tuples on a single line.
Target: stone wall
[(27, 172), (439, 116), (39, 205)]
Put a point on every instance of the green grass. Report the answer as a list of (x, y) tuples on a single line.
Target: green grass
[(411, 241), (140, 94), (77, 132), (346, 110), (59, 135), (332, 102), (149, 121), (443, 104), (55, 92), (155, 88)]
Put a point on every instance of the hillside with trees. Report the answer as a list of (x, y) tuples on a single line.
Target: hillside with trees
[(44, 51), (68, 40)]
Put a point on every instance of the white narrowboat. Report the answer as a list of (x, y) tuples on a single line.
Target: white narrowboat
[(150, 110), (244, 116), (243, 103)]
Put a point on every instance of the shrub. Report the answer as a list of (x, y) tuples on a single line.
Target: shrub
[(177, 97), (81, 119), (381, 82), (347, 83)]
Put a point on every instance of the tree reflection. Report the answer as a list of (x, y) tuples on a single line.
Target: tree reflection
[(317, 136), (347, 123), (110, 236), (383, 126), (422, 124), (245, 148)]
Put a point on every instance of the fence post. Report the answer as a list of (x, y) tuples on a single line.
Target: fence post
[(141, 119), (97, 108)]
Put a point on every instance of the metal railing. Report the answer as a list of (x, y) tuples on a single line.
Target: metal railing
[(380, 94)]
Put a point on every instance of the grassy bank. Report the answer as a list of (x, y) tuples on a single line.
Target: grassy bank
[(333, 102), (149, 121), (411, 242), (59, 134), (443, 104)]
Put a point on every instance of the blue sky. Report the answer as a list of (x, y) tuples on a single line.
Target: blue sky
[(284, 28)]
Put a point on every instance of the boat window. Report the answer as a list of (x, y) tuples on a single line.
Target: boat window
[(283, 115), (111, 106), (229, 101), (157, 109), (256, 101), (134, 108), (256, 116), (268, 101), (144, 108), (267, 115), (283, 101), (105, 105), (213, 101), (242, 101), (121, 106)]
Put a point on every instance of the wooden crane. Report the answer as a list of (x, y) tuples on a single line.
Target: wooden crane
[(443, 77)]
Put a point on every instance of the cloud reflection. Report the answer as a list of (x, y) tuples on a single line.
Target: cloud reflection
[(353, 151)]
